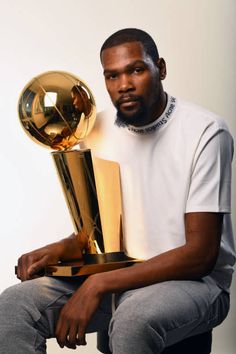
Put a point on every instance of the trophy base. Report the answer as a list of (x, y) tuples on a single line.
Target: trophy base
[(91, 264), (102, 258)]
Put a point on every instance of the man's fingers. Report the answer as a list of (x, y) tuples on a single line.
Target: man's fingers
[(69, 333), (22, 273), (81, 336), (18, 270), (71, 339), (37, 267), (61, 332), (26, 271)]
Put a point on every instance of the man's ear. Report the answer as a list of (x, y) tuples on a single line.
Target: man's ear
[(161, 64)]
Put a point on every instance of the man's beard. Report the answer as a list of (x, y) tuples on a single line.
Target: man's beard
[(136, 119)]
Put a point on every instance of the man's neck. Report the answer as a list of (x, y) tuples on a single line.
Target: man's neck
[(158, 107), (156, 111)]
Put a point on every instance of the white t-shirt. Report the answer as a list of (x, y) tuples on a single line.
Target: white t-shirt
[(178, 164)]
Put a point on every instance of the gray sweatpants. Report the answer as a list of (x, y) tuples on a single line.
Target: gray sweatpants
[(146, 320)]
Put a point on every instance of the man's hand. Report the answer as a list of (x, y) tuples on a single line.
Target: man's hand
[(31, 264), (77, 313)]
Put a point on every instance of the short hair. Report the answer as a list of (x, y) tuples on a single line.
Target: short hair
[(127, 35)]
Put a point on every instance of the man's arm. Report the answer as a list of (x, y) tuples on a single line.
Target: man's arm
[(30, 264), (193, 260)]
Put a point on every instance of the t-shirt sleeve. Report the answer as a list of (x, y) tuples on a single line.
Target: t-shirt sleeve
[(210, 182)]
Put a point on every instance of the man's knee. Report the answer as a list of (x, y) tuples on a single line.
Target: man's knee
[(11, 299), (18, 303), (14, 303)]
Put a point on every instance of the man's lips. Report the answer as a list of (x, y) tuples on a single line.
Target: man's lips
[(129, 104), (128, 101)]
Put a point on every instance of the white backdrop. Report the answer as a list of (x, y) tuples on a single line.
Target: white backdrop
[(197, 39)]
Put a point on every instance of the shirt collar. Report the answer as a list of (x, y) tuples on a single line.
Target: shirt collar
[(159, 122)]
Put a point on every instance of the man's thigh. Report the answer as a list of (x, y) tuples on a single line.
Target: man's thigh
[(174, 309), (39, 301)]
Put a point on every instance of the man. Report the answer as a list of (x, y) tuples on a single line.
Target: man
[(175, 163)]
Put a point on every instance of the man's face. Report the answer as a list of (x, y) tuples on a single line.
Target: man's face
[(133, 83)]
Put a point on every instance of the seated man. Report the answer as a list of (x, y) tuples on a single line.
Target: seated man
[(175, 165)]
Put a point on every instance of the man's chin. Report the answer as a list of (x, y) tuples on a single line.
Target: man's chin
[(124, 120)]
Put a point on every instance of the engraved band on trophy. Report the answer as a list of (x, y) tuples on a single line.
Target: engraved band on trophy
[(57, 110)]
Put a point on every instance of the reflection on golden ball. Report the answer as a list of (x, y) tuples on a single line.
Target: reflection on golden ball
[(57, 109)]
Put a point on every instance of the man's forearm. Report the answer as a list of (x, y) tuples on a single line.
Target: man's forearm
[(176, 264), (194, 260)]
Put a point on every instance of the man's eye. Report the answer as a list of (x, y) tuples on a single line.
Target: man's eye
[(111, 76), (138, 70)]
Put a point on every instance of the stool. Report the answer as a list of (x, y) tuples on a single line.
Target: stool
[(198, 344)]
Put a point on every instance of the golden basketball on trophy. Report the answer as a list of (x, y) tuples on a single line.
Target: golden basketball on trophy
[(57, 110)]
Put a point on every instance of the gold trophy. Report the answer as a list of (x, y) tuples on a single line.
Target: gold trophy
[(57, 110)]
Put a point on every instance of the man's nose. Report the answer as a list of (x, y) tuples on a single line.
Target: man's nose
[(125, 83)]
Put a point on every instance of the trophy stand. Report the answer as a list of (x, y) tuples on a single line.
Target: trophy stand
[(57, 110)]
